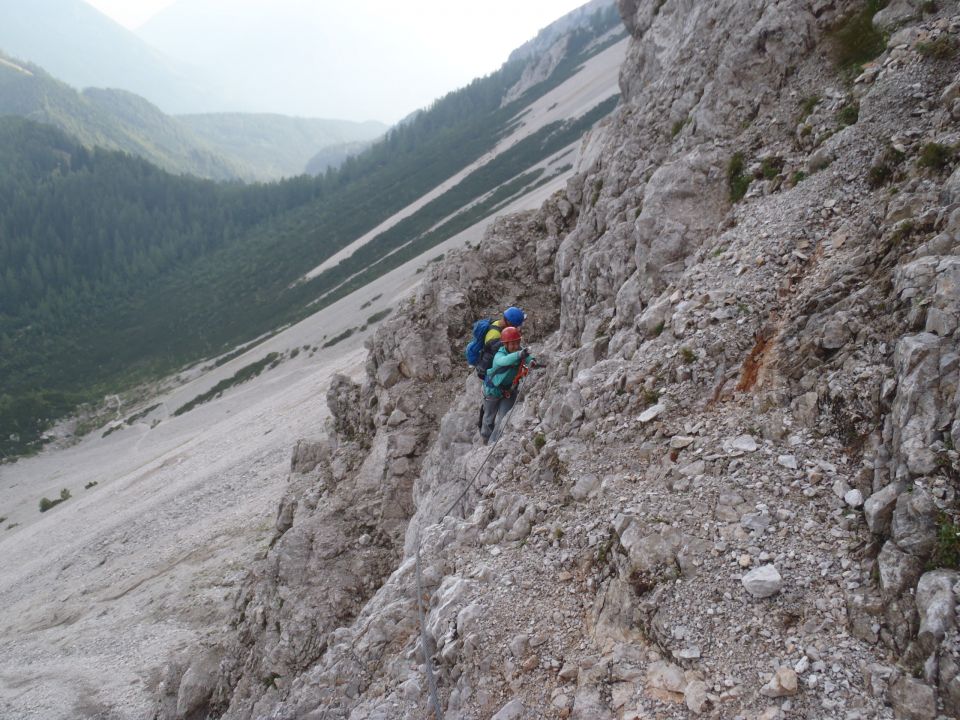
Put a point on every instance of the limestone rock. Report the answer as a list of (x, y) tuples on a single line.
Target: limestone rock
[(513, 710), (878, 508), (936, 603), (695, 697), (763, 581), (914, 526), (666, 676), (895, 14), (913, 700), (782, 684), (898, 570)]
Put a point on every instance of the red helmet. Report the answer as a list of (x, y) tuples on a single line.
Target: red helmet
[(509, 334)]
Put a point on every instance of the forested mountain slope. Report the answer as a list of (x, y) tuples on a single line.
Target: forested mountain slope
[(111, 119)]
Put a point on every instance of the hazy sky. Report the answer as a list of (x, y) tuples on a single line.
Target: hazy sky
[(434, 45)]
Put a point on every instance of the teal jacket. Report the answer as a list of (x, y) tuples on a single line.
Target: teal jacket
[(502, 372)]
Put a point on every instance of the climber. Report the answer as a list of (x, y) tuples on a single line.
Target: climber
[(502, 382), (486, 338)]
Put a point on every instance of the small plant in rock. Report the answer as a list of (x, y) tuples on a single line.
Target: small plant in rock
[(903, 231), (943, 48), (771, 167), (688, 356), (807, 107), (736, 179), (597, 187), (929, 7), (539, 440), (47, 503), (806, 131), (946, 554), (798, 177), (650, 397), (936, 156), (3, 519), (658, 330), (849, 114), (92, 483), (885, 169)]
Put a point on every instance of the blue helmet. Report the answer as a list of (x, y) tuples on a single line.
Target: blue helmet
[(515, 316)]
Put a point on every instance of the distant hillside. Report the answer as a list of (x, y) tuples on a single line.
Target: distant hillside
[(334, 156), (271, 146), (75, 42), (112, 119)]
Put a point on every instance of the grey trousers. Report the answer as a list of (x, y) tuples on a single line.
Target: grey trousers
[(494, 410)]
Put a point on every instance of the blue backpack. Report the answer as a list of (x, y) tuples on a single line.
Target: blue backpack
[(480, 329)]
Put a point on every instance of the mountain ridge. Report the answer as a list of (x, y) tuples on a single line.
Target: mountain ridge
[(54, 33)]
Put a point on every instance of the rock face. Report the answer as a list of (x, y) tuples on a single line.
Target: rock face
[(737, 393)]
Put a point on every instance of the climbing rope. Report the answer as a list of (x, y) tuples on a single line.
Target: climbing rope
[(425, 643)]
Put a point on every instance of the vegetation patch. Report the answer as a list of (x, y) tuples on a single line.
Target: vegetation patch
[(92, 483), (943, 48), (248, 372), (340, 338), (687, 355), (849, 114), (798, 177), (737, 181), (885, 169), (772, 166), (903, 231), (856, 41), (136, 417), (946, 554), (47, 503), (936, 156), (807, 107), (378, 316)]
